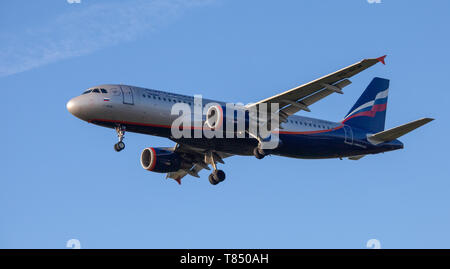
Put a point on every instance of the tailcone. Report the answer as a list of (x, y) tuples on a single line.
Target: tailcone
[(395, 145)]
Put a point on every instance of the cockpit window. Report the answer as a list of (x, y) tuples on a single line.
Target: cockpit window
[(88, 91), (96, 90), (104, 91)]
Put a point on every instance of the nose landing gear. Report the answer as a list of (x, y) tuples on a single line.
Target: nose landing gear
[(119, 146)]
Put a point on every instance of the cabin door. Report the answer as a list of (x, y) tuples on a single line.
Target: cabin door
[(127, 94)]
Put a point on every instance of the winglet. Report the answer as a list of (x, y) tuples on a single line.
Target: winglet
[(381, 59), (178, 179)]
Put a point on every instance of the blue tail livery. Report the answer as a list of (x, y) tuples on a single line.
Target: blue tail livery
[(369, 112)]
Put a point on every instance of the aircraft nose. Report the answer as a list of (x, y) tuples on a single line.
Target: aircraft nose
[(73, 107)]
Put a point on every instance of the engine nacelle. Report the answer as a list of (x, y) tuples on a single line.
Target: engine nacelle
[(160, 160)]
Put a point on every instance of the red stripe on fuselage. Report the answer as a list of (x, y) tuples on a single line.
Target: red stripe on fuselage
[(146, 124), (168, 126), (130, 123)]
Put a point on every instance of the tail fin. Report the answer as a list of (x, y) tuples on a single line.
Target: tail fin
[(369, 112)]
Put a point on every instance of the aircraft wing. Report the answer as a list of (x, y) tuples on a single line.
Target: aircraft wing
[(197, 157), (299, 98)]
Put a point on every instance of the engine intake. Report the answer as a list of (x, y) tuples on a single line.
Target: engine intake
[(160, 160)]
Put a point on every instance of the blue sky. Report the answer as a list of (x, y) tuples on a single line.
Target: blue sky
[(61, 178)]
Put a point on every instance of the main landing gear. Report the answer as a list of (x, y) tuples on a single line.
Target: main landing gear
[(217, 175), (259, 153), (119, 146)]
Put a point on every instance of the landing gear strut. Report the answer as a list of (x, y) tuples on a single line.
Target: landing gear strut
[(119, 146), (217, 175)]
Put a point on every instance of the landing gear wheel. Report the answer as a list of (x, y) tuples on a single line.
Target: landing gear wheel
[(219, 175), (258, 154), (120, 130), (212, 180), (119, 146), (216, 177)]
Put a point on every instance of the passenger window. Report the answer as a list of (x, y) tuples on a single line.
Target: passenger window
[(104, 91)]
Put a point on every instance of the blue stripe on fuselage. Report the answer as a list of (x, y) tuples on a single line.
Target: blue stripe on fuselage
[(318, 144)]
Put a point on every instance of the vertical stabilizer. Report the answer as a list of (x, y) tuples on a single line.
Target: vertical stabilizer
[(369, 112)]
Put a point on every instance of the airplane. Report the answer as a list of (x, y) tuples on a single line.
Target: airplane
[(361, 132)]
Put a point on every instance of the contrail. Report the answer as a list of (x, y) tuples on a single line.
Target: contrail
[(86, 30)]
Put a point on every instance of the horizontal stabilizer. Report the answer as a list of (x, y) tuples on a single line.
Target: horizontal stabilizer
[(397, 132)]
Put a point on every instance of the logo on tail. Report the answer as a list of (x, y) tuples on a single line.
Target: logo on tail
[(369, 112), (370, 108)]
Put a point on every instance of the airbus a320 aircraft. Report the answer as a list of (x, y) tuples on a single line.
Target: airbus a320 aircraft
[(147, 111)]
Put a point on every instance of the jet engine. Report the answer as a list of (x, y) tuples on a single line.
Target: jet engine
[(161, 160)]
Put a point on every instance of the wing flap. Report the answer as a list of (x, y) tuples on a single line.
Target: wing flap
[(329, 89), (196, 156)]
